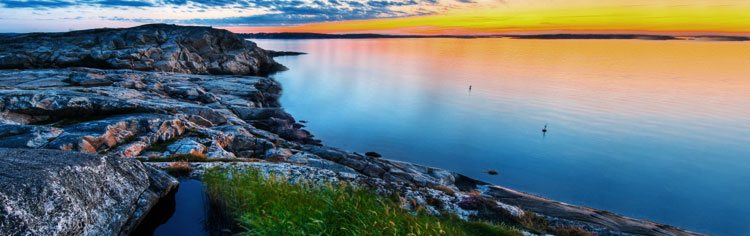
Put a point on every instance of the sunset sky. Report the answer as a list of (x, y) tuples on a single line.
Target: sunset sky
[(730, 17)]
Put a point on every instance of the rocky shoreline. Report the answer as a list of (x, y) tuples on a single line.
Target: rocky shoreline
[(156, 93)]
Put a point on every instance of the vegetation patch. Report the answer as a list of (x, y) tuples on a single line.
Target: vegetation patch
[(272, 205)]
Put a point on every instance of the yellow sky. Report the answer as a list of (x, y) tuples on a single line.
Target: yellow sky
[(553, 16)]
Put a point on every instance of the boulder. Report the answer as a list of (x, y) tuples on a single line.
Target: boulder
[(48, 192), (154, 47), (187, 147)]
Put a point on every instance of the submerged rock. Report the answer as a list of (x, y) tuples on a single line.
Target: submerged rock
[(47, 192), (155, 47)]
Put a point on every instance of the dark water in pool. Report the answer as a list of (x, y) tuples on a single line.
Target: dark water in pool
[(650, 129), (182, 213)]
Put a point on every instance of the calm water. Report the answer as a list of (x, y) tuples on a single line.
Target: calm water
[(181, 213), (650, 129)]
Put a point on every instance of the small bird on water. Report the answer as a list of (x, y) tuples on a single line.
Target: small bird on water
[(469, 87), (544, 130)]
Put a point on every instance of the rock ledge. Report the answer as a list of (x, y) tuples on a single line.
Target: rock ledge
[(155, 47), (71, 193)]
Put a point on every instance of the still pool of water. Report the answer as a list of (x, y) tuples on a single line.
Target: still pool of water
[(183, 212), (649, 129)]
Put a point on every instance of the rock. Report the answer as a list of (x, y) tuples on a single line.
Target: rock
[(284, 53), (265, 114), (47, 192), (88, 79), (27, 136), (136, 111), (187, 147), (277, 154), (215, 151), (307, 159), (108, 133), (152, 154), (373, 154), (601, 220), (155, 47), (248, 146)]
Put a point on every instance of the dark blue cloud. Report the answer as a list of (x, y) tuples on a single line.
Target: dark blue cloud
[(280, 12), (36, 4), (391, 3), (123, 3)]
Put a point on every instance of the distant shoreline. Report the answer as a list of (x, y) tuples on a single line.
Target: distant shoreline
[(537, 36)]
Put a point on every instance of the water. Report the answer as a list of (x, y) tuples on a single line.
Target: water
[(181, 213), (649, 129)]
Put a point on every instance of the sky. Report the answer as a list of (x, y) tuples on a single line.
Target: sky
[(679, 17)]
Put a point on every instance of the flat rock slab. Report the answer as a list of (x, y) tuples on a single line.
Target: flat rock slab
[(50, 192)]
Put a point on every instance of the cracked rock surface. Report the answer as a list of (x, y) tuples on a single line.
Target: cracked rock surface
[(155, 47), (52, 192)]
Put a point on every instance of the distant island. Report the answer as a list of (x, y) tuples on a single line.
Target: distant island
[(536, 36)]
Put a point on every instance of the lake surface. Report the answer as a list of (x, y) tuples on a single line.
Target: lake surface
[(650, 129)]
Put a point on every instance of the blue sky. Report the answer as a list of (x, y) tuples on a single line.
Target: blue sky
[(63, 15)]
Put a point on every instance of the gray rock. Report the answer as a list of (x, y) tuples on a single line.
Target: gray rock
[(215, 151), (136, 111), (308, 159), (187, 147), (47, 192), (89, 79), (156, 47), (277, 154)]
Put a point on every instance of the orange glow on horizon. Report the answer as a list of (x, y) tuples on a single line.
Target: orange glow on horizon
[(693, 17)]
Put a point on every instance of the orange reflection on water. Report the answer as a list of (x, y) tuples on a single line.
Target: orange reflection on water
[(636, 118), (631, 77)]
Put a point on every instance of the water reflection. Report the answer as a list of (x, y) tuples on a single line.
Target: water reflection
[(182, 212), (651, 129)]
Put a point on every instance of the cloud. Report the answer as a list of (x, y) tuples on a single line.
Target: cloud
[(36, 4), (265, 12), (123, 3)]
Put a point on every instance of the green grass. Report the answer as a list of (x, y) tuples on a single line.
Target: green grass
[(273, 206)]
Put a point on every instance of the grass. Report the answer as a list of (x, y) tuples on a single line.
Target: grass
[(273, 206)]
